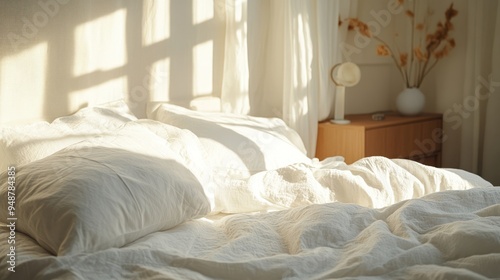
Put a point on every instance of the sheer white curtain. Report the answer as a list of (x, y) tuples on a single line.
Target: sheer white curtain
[(277, 60), (480, 139), (310, 32), (234, 94)]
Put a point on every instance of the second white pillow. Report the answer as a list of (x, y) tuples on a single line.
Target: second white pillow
[(238, 145)]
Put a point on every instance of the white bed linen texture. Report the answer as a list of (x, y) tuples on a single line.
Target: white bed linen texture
[(26, 143), (105, 192), (445, 235), (373, 182), (294, 219), (260, 164), (237, 145)]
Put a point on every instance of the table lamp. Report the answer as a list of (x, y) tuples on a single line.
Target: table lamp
[(343, 75)]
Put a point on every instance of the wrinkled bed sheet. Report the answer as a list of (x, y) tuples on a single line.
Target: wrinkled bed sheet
[(373, 182), (376, 218), (444, 235)]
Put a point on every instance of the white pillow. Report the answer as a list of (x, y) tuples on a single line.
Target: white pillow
[(23, 144), (108, 116), (238, 145), (104, 192), (187, 146)]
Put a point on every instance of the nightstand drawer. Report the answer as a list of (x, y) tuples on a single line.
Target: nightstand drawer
[(417, 138)]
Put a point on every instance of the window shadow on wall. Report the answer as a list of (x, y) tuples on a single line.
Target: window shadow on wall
[(62, 55)]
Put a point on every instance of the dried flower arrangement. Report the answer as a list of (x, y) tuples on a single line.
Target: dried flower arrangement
[(427, 47)]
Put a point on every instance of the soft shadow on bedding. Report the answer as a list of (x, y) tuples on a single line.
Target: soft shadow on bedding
[(235, 142)]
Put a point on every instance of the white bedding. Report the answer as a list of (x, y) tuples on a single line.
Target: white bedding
[(374, 219), (446, 235), (373, 182)]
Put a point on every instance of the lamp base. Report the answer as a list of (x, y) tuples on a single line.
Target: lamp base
[(340, 121)]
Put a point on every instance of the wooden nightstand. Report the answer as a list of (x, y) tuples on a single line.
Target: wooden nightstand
[(418, 138)]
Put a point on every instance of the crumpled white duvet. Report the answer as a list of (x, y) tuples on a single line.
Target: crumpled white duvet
[(445, 235), (373, 182), (376, 218)]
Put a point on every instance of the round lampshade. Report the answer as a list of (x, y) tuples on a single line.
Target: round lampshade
[(345, 74)]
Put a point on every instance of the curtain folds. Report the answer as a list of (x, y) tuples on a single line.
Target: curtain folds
[(491, 151), (277, 60), (234, 93), (480, 136), (301, 83)]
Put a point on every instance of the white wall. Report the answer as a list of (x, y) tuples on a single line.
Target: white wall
[(59, 55)]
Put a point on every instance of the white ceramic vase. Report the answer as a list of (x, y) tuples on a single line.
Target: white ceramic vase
[(410, 102)]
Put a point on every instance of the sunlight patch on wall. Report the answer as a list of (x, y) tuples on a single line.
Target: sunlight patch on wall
[(203, 10), (100, 44), (202, 68), (22, 85), (159, 80), (106, 92), (156, 21)]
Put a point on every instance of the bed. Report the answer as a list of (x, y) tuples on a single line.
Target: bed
[(186, 194)]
